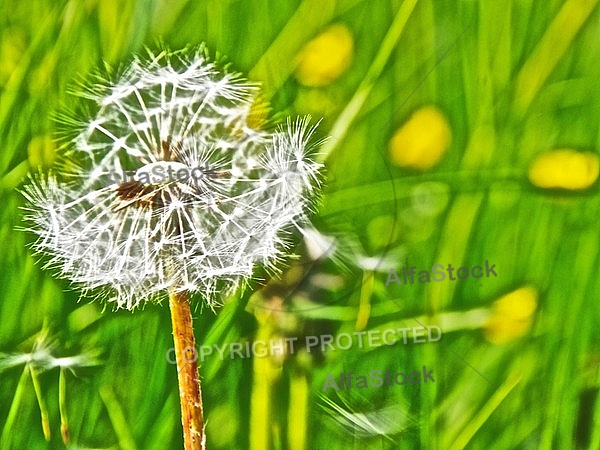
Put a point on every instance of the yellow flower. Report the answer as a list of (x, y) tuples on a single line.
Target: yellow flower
[(564, 169), (511, 315), (322, 60), (422, 141)]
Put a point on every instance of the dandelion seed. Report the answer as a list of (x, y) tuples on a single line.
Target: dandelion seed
[(39, 360), (161, 234), (384, 422)]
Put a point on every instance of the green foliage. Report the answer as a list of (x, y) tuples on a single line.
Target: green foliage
[(514, 79)]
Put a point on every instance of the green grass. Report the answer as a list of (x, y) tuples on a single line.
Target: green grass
[(522, 79)]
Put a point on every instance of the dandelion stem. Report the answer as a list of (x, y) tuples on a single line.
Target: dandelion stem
[(190, 395)]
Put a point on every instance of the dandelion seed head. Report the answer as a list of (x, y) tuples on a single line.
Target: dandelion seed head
[(168, 115)]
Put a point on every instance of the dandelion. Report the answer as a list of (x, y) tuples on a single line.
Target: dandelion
[(512, 315), (165, 232), (564, 169), (325, 58), (422, 141)]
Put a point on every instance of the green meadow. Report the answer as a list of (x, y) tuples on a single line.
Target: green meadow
[(457, 132)]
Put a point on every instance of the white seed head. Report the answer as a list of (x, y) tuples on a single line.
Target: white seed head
[(168, 187)]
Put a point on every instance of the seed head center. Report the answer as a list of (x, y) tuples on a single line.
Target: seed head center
[(162, 172)]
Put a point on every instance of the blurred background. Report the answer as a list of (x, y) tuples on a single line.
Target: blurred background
[(459, 132)]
